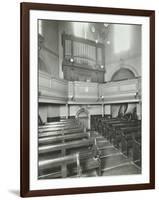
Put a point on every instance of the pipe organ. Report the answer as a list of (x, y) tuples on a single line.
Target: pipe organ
[(83, 59)]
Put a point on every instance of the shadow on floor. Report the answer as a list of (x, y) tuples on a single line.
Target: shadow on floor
[(15, 192)]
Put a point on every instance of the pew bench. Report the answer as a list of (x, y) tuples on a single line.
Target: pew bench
[(112, 131), (58, 127), (111, 127), (102, 126), (51, 124), (63, 138), (90, 160), (121, 130), (95, 120), (63, 147), (102, 121), (89, 157), (57, 167), (127, 140), (137, 152), (60, 132)]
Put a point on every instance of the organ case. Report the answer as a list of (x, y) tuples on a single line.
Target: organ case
[(83, 59)]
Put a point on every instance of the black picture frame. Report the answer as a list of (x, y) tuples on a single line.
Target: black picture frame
[(25, 93)]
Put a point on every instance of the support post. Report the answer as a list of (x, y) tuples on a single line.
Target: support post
[(89, 121), (139, 110), (102, 110), (67, 111)]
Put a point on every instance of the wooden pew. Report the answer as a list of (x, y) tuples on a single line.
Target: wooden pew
[(112, 130), (137, 151), (60, 131), (64, 146), (110, 127), (89, 157), (95, 120), (69, 119), (105, 123), (58, 128), (65, 136), (62, 162), (62, 122), (62, 138), (121, 130), (127, 140), (102, 122)]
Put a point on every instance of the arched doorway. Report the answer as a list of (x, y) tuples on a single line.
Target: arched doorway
[(83, 116)]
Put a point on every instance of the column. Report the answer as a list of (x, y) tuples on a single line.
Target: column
[(139, 110), (102, 109), (67, 111), (89, 121)]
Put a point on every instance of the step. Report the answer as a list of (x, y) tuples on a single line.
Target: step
[(122, 169), (103, 143), (90, 173), (108, 150), (101, 138), (113, 160)]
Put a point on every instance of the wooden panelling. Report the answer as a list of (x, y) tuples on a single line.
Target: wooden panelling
[(44, 79), (85, 90), (61, 91), (52, 90), (120, 90)]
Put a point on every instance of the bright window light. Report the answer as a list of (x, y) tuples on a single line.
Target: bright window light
[(40, 27), (80, 29), (122, 38)]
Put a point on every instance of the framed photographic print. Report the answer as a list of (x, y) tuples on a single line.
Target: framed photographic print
[(87, 99)]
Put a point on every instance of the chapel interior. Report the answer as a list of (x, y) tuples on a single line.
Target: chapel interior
[(89, 99)]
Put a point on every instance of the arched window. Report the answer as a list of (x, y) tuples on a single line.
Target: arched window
[(122, 74)]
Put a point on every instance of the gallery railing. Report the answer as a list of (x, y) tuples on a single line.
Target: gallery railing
[(53, 90)]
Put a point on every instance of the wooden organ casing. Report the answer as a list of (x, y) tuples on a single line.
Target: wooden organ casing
[(83, 59)]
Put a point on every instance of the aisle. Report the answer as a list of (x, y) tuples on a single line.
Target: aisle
[(113, 161)]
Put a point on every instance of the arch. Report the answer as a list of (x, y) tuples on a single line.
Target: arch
[(126, 67), (82, 110), (84, 117), (123, 73)]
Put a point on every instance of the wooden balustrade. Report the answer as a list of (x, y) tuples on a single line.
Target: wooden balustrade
[(60, 91)]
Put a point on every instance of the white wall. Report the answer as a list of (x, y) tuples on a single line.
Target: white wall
[(48, 110), (92, 109), (49, 53), (127, 55), (10, 101)]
